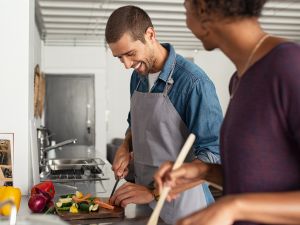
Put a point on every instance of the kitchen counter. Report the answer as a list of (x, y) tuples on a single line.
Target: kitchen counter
[(134, 214)]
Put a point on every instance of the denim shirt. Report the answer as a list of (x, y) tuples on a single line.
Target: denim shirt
[(194, 97)]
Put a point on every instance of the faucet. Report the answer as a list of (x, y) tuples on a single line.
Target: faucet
[(47, 149), (63, 143)]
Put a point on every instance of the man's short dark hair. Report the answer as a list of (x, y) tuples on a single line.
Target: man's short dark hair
[(231, 8), (127, 19)]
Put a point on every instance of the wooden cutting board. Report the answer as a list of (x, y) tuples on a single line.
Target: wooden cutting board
[(117, 212)]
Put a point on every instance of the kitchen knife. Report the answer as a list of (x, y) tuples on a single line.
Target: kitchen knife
[(114, 188)]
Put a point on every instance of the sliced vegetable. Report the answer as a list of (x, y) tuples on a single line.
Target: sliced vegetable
[(94, 208), (103, 204), (78, 194), (73, 209), (83, 199), (66, 196), (61, 204), (83, 207), (63, 209), (65, 200)]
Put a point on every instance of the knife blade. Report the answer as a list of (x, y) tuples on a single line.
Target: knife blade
[(114, 188)]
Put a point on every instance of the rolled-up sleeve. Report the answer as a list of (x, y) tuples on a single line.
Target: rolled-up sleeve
[(204, 118)]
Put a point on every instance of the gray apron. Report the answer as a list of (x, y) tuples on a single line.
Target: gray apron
[(158, 133)]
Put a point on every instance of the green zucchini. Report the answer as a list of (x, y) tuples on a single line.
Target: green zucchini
[(65, 200), (63, 208), (67, 196), (84, 207), (61, 204)]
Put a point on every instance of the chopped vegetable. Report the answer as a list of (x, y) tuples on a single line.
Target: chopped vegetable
[(74, 209), (65, 200), (61, 204), (78, 194), (63, 209), (94, 208), (83, 207), (66, 196), (103, 204), (83, 199)]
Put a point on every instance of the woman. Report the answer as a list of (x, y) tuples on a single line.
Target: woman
[(260, 135)]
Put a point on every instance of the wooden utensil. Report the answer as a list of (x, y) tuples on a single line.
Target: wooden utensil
[(182, 155)]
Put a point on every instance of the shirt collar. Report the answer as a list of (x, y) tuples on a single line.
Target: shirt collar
[(166, 70)]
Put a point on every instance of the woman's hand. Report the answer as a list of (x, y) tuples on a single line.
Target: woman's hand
[(221, 212), (181, 179)]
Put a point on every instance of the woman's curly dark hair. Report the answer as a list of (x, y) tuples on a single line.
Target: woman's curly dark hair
[(232, 8)]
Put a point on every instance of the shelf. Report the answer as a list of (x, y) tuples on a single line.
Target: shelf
[(6, 166), (4, 150)]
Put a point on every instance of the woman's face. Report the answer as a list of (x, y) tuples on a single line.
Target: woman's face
[(198, 22)]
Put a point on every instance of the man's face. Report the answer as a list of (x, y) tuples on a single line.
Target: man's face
[(134, 54)]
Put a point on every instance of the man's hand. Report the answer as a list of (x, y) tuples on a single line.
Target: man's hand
[(121, 162), (131, 193), (181, 179)]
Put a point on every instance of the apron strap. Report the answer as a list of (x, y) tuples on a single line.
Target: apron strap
[(170, 81), (137, 86), (168, 86)]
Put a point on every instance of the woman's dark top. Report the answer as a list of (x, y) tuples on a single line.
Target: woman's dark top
[(260, 136)]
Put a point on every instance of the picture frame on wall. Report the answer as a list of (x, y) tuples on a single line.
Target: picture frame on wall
[(6, 159)]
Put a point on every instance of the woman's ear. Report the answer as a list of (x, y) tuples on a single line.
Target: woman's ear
[(150, 34)]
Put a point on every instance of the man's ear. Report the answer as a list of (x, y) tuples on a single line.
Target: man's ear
[(150, 34)]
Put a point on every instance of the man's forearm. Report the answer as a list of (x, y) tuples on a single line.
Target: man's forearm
[(128, 140)]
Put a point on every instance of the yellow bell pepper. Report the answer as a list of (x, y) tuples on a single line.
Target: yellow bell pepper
[(13, 193)]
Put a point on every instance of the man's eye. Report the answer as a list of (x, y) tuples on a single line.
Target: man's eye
[(131, 54)]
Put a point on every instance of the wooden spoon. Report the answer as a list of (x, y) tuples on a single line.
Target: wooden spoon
[(182, 155)]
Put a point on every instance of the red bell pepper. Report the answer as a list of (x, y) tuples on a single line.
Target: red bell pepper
[(44, 187)]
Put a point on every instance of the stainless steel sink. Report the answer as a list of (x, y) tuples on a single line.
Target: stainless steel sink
[(76, 164)]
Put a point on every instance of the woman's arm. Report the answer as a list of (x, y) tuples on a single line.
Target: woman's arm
[(187, 176), (269, 208)]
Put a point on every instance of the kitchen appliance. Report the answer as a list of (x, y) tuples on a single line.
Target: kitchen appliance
[(74, 170)]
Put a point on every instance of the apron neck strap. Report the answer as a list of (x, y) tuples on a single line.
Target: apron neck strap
[(170, 80)]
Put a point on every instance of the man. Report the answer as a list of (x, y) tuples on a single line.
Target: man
[(170, 98), (260, 136)]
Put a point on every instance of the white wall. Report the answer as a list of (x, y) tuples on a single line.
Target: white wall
[(16, 75), (82, 60), (118, 97)]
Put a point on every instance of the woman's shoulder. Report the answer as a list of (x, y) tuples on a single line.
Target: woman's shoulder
[(285, 48)]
